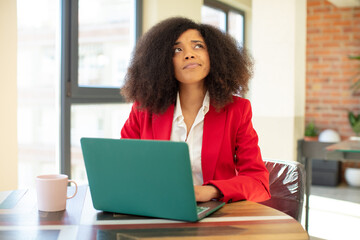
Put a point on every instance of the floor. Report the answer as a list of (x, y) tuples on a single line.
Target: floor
[(334, 213)]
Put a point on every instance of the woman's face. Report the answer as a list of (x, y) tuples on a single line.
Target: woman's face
[(191, 59)]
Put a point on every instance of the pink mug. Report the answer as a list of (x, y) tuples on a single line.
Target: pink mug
[(52, 192)]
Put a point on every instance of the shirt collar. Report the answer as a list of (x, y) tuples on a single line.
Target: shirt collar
[(178, 113), (206, 103)]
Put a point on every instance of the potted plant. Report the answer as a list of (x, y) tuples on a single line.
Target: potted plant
[(354, 121), (311, 132)]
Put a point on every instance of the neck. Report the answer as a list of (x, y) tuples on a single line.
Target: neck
[(191, 96)]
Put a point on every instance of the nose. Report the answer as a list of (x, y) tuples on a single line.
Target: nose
[(189, 54)]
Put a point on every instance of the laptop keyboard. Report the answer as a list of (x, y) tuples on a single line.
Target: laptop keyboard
[(201, 209)]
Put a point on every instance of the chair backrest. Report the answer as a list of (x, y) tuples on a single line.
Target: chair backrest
[(287, 186)]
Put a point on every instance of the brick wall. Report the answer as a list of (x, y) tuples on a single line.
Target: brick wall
[(332, 34)]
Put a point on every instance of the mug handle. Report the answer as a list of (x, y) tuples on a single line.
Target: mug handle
[(76, 188)]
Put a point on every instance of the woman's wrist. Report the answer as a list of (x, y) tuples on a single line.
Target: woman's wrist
[(216, 193)]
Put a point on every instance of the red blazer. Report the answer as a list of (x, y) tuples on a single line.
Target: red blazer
[(230, 157)]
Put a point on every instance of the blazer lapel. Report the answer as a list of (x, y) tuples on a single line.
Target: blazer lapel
[(162, 124), (214, 124)]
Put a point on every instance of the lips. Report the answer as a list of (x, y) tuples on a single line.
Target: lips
[(191, 65)]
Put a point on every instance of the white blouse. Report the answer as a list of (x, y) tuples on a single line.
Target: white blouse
[(194, 139)]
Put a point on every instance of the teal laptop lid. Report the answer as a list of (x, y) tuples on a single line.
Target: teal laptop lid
[(142, 177)]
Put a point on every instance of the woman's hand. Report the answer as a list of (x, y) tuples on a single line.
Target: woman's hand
[(206, 193)]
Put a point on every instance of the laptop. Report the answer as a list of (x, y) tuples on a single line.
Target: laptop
[(143, 177)]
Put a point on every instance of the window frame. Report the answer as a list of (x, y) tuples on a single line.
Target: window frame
[(227, 9), (70, 91)]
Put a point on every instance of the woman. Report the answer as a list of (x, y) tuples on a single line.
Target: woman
[(182, 79)]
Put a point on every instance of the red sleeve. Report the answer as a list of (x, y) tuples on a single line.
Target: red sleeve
[(252, 178), (131, 128)]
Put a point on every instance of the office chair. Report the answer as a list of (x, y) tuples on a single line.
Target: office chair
[(287, 186)]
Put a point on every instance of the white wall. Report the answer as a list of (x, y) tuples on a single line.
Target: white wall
[(278, 88), (8, 95)]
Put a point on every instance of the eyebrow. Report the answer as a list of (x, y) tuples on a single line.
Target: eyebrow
[(193, 41)]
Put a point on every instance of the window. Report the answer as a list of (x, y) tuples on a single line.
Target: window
[(224, 17), (38, 88), (104, 36), (72, 58), (214, 17)]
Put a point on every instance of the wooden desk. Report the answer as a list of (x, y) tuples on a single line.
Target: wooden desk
[(20, 218)]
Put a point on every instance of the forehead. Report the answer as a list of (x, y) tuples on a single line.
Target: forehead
[(190, 35)]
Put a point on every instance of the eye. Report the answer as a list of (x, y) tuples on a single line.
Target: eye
[(199, 45), (176, 50)]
